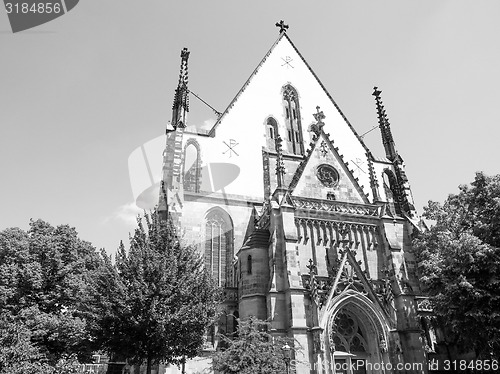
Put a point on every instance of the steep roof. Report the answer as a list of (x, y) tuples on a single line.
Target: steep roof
[(284, 36)]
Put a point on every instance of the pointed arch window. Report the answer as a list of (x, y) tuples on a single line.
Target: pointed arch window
[(192, 166), (219, 246), (293, 121), (271, 132), (347, 335)]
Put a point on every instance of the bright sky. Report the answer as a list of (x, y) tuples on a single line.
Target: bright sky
[(80, 93)]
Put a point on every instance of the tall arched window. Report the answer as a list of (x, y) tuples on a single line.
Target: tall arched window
[(192, 166), (219, 245), (292, 120), (271, 133)]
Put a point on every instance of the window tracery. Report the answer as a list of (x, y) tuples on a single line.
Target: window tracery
[(347, 335), (192, 176), (293, 122), (219, 246)]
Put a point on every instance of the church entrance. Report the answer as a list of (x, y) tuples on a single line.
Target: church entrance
[(350, 346), (353, 342)]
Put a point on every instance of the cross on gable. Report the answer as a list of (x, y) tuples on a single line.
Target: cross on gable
[(282, 26)]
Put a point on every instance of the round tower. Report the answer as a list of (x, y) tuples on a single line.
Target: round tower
[(253, 264)]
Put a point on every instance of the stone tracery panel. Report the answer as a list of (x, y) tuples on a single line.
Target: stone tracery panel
[(219, 246)]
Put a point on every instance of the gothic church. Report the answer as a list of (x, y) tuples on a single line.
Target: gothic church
[(298, 221)]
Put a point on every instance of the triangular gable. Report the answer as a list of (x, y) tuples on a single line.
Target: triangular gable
[(307, 182), (351, 276), (242, 89), (243, 123)]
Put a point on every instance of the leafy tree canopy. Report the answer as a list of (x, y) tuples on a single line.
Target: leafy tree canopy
[(459, 264), (46, 277), (252, 351), (160, 298)]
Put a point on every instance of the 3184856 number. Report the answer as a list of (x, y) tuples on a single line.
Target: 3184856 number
[(25, 8)]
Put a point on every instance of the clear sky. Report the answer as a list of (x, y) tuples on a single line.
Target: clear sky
[(79, 94)]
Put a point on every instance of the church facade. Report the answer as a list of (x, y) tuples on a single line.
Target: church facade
[(298, 221)]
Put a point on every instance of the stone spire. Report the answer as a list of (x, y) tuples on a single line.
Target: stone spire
[(181, 99), (400, 185), (385, 127), (171, 188)]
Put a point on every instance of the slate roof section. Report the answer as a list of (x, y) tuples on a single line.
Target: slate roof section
[(257, 239)]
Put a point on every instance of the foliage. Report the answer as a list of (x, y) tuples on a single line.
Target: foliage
[(160, 300), (252, 351), (46, 277), (459, 264)]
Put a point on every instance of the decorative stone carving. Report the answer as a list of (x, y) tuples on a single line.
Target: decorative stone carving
[(336, 207), (382, 345), (423, 304), (319, 116), (327, 175)]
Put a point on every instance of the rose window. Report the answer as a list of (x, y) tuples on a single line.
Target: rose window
[(327, 175)]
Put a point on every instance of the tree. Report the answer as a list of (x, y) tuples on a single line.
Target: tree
[(46, 288), (161, 299), (459, 264), (252, 351)]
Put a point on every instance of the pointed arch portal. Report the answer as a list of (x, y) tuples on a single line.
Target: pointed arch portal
[(355, 335)]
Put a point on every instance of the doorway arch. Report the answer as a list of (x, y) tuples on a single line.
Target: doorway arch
[(356, 335)]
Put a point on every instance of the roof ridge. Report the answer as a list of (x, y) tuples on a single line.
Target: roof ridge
[(303, 163), (328, 94), (245, 85)]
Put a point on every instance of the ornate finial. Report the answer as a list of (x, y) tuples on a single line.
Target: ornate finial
[(183, 76), (385, 127), (184, 54), (312, 267), (319, 115), (280, 166), (282, 26), (316, 127), (373, 178)]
